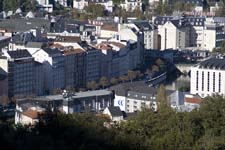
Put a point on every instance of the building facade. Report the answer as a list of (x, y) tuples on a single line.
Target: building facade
[(207, 78)]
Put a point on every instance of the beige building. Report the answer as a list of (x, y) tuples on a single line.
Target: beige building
[(174, 34)]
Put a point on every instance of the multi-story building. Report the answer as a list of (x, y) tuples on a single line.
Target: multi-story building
[(53, 65), (129, 35), (93, 101), (75, 67), (23, 75), (150, 34), (93, 59), (207, 78), (132, 98), (80, 4), (131, 5), (195, 34), (174, 34), (214, 35), (4, 41)]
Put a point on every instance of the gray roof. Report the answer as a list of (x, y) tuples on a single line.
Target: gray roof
[(213, 63), (194, 21), (21, 24), (75, 96), (52, 51), (144, 25), (34, 44), (115, 111), (19, 54)]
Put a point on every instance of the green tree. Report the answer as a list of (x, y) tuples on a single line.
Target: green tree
[(28, 5), (10, 5)]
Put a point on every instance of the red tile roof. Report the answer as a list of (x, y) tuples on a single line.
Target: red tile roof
[(193, 100), (31, 113), (73, 51), (109, 27)]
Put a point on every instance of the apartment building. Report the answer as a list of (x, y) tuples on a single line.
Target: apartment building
[(150, 34), (131, 5), (132, 98), (22, 73), (80, 4), (75, 67), (207, 78), (130, 35), (174, 34), (214, 35), (93, 62), (53, 65), (68, 103)]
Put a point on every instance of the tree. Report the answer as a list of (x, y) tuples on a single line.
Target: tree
[(159, 62), (124, 78), (114, 81), (131, 75), (155, 68), (161, 98), (4, 100), (104, 82), (92, 85), (28, 5), (10, 5), (57, 91), (138, 13)]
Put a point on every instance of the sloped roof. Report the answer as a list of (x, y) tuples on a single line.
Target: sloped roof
[(213, 63), (193, 100), (19, 54), (115, 111), (31, 113)]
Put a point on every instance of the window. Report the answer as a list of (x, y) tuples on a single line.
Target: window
[(202, 81), (214, 81), (208, 82), (197, 81), (219, 82)]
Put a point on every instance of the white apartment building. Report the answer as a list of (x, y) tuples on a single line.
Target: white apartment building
[(207, 78), (214, 35), (174, 34), (80, 4), (131, 5), (150, 33), (131, 34), (134, 98), (53, 65), (44, 5)]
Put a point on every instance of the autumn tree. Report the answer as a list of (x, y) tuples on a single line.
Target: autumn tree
[(92, 85), (161, 98), (104, 82), (114, 81), (131, 75)]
